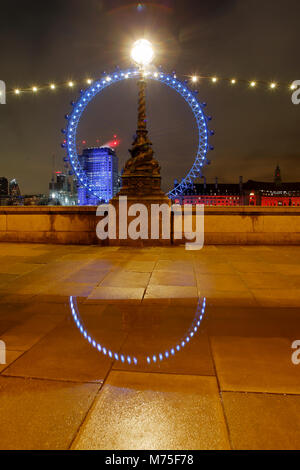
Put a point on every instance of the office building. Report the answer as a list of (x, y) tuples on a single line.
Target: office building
[(101, 167)]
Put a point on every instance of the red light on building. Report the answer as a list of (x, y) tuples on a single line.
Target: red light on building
[(252, 199), (114, 143), (225, 201), (280, 201)]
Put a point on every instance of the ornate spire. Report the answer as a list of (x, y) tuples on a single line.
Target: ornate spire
[(278, 179), (141, 152)]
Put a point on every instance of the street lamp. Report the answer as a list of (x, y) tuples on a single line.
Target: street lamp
[(142, 53), (141, 176)]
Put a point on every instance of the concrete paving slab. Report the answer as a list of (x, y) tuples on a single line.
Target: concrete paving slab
[(255, 364), (156, 412), (230, 320), (208, 267), (173, 278), (193, 359), (173, 265), (262, 421), (140, 266), (11, 356), (237, 298), (272, 280), (40, 414), (64, 354), (87, 276), (171, 292), (24, 335), (126, 279), (220, 282), (117, 293), (277, 297)]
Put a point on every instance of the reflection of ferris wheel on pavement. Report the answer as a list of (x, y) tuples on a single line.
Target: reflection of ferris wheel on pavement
[(170, 80), (149, 357)]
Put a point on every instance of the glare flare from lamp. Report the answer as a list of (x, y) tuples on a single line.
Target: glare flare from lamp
[(142, 52)]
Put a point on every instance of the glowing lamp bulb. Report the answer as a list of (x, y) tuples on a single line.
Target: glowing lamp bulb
[(34, 89), (233, 81), (52, 86), (253, 84), (17, 92), (142, 52), (214, 79), (194, 79), (273, 85)]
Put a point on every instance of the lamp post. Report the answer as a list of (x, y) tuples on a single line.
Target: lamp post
[(141, 180), (141, 176), (142, 54)]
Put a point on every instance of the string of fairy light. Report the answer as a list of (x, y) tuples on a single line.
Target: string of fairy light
[(250, 83), (193, 79)]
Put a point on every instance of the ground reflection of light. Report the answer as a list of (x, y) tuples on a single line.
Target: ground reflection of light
[(155, 358)]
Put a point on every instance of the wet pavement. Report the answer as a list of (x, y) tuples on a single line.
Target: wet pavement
[(114, 348)]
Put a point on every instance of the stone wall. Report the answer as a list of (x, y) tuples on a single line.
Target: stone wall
[(223, 226), (252, 226), (61, 225)]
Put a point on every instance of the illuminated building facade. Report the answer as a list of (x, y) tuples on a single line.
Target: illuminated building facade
[(61, 191), (14, 189), (101, 167), (273, 194), (4, 191), (213, 194), (10, 194), (252, 193)]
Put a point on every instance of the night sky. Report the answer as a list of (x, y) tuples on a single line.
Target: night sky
[(60, 40)]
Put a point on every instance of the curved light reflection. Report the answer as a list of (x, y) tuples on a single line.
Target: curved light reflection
[(151, 358)]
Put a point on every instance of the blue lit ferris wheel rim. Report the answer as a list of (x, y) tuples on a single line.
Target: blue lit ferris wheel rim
[(170, 80)]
